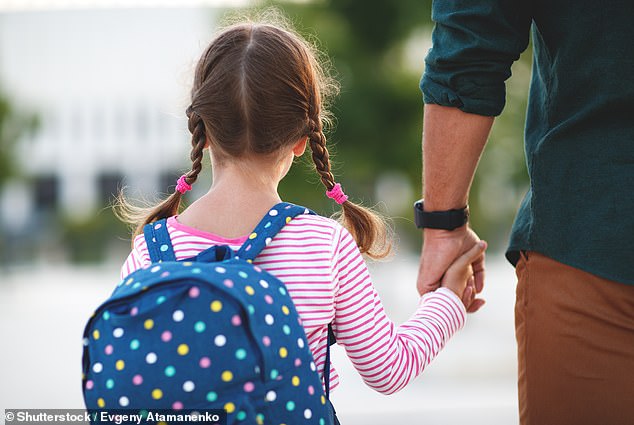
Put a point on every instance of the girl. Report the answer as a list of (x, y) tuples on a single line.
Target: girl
[(256, 103)]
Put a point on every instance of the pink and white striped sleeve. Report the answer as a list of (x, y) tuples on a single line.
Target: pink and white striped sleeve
[(387, 356), (137, 258)]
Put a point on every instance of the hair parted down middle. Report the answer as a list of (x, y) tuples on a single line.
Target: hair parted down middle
[(259, 87)]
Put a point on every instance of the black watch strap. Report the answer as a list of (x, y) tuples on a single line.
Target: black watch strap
[(446, 220)]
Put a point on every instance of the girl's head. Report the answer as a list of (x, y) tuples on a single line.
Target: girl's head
[(258, 89)]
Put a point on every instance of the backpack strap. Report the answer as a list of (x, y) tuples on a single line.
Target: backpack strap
[(334, 420), (159, 244), (330, 341), (269, 226)]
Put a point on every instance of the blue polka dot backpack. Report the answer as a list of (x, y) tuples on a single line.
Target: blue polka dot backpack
[(212, 332)]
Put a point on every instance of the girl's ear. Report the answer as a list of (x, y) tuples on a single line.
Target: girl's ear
[(300, 146), (207, 143)]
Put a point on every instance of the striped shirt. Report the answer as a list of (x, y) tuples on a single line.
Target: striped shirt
[(328, 280)]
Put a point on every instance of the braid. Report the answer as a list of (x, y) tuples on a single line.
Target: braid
[(369, 230), (196, 127), (320, 155)]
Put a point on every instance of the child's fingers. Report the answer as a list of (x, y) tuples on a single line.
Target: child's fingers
[(469, 293), (467, 296), (479, 273), (470, 256), (475, 305), (460, 277)]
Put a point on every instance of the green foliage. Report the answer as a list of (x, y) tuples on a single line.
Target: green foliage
[(13, 125), (89, 240)]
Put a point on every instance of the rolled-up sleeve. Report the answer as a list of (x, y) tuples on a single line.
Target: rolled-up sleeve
[(474, 44)]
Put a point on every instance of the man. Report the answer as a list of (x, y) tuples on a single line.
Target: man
[(573, 238)]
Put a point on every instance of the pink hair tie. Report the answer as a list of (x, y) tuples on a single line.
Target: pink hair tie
[(182, 186), (337, 194)]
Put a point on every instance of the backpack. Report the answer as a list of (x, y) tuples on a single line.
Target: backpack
[(211, 332)]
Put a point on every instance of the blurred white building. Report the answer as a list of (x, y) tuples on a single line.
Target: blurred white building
[(110, 87)]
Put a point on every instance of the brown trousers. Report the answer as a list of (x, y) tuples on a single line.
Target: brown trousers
[(575, 337)]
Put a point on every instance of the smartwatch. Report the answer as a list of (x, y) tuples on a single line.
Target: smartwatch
[(446, 220)]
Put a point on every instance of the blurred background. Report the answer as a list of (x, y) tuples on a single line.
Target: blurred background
[(92, 100)]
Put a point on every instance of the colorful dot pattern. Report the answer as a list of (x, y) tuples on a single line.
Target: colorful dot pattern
[(214, 334)]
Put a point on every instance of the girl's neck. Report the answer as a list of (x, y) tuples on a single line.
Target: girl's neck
[(235, 187), (239, 197)]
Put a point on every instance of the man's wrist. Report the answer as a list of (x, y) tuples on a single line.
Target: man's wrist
[(443, 233), (435, 203), (447, 220)]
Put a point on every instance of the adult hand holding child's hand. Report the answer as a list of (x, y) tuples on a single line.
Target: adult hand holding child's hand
[(440, 249), (460, 277)]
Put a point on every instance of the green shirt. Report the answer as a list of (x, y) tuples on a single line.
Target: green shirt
[(579, 137)]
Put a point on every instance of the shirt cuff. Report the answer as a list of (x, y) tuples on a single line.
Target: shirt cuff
[(446, 300), (487, 100)]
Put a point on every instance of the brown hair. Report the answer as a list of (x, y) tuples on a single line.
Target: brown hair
[(257, 88)]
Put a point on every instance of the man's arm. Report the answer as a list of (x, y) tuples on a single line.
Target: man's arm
[(453, 142), (474, 44)]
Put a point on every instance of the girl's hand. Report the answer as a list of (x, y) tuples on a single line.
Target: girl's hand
[(459, 277)]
